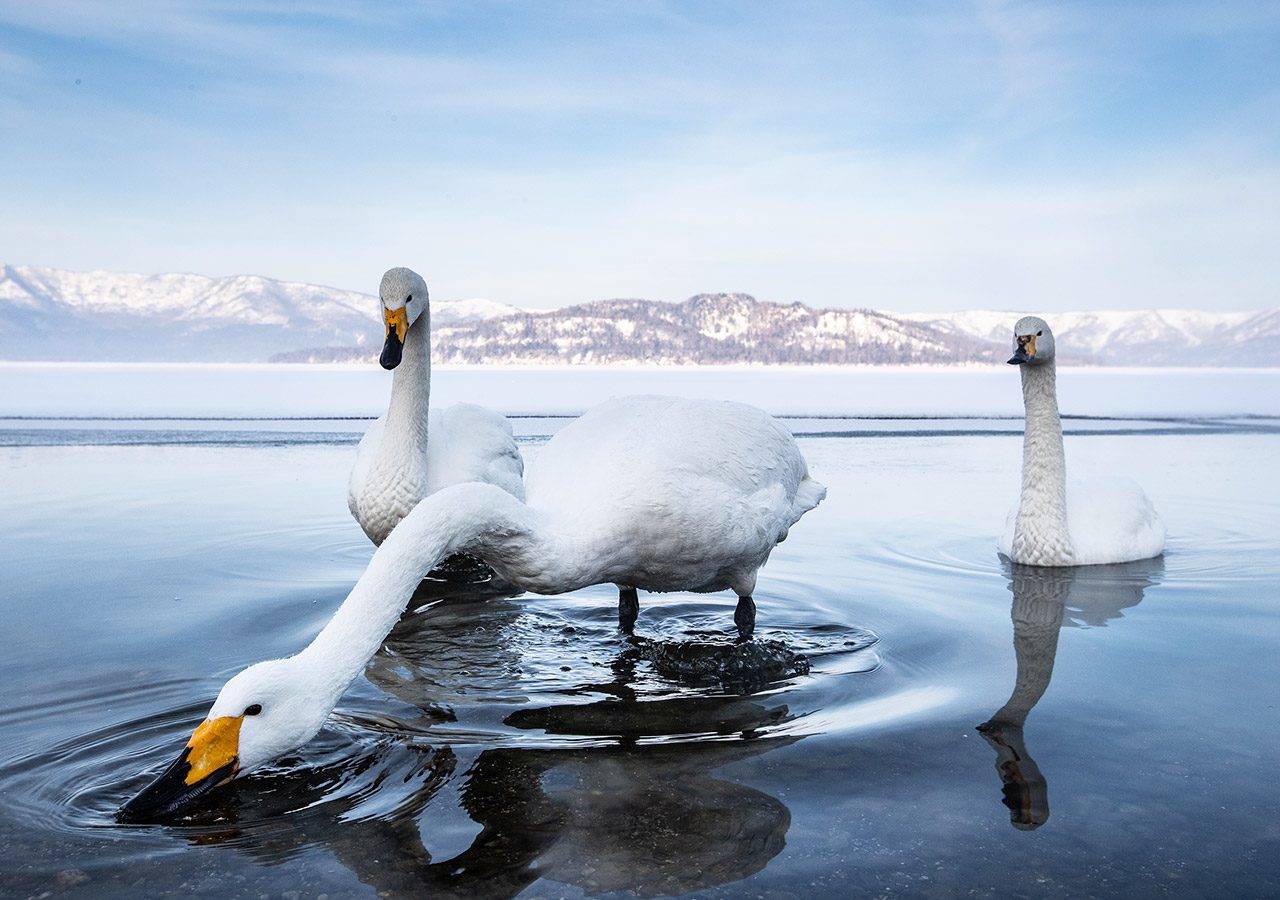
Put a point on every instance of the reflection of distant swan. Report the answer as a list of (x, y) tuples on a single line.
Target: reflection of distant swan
[(1044, 599), (1061, 523)]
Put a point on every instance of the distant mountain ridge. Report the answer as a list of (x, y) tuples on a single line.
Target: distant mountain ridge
[(59, 315), (1148, 337), (51, 314), (705, 329)]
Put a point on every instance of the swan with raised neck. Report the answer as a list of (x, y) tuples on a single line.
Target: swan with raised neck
[(414, 451), (651, 493), (1057, 522)]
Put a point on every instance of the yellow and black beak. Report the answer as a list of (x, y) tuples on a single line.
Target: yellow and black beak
[(397, 321), (1026, 350), (210, 758)]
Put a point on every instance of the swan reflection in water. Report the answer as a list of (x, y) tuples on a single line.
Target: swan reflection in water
[(629, 812), (1045, 600), (650, 821)]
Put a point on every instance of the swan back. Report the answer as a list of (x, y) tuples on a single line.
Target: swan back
[(674, 494), (1112, 521), (1109, 520)]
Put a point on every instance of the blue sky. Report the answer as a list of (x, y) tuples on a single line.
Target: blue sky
[(900, 156)]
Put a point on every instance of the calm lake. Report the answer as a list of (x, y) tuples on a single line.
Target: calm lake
[(927, 721)]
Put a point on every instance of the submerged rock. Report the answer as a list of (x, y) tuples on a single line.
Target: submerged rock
[(748, 665)]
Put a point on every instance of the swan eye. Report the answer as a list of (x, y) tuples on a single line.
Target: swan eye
[(1039, 333), (409, 299), (253, 710)]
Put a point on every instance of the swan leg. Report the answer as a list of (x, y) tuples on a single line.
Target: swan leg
[(745, 616), (628, 608)]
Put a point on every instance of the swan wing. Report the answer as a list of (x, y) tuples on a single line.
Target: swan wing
[(1111, 521), (470, 443)]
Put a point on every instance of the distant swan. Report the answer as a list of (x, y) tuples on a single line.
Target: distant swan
[(1067, 523), (412, 452), (654, 493)]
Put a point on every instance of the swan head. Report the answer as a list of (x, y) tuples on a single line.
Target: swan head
[(404, 301), (263, 712), (1032, 342)]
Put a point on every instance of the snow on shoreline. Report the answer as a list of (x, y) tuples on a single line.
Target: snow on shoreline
[(321, 391)]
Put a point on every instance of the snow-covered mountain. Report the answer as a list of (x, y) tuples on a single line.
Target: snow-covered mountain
[(55, 314), (1150, 337), (707, 328), (50, 314)]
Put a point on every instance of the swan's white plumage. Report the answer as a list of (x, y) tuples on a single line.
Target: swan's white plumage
[(1109, 520), (655, 493), (667, 494), (466, 443), (1059, 521), (413, 451)]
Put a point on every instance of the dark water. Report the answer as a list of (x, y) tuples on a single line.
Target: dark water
[(917, 719)]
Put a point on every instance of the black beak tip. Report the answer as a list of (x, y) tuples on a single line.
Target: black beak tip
[(170, 792), (137, 811), (391, 352), (1018, 359), (151, 805)]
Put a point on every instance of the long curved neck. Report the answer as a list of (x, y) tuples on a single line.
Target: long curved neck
[(411, 388), (478, 517), (1040, 534)]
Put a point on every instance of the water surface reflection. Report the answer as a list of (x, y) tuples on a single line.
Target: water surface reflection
[(616, 790), (498, 741), (1046, 600), (651, 820)]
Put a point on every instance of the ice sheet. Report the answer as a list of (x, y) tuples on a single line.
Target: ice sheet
[(162, 389)]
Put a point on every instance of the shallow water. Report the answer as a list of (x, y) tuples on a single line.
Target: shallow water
[(523, 745)]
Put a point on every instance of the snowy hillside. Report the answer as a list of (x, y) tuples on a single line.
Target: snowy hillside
[(1152, 337), (49, 314), (54, 314), (707, 328)]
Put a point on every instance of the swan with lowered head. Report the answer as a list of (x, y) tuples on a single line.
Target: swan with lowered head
[(1057, 522), (652, 493), (412, 451)]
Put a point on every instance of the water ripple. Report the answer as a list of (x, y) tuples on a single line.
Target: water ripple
[(470, 671)]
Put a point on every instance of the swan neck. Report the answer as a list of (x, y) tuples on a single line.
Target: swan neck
[(411, 383), (1041, 536), (474, 516)]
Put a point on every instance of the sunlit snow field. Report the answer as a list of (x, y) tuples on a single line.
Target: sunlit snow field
[(163, 526)]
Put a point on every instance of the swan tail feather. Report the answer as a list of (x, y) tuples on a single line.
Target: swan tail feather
[(809, 493)]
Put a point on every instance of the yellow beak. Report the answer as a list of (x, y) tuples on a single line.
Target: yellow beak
[(211, 758), (214, 744), (397, 319)]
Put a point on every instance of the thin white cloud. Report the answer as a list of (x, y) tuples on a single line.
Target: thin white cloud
[(862, 165)]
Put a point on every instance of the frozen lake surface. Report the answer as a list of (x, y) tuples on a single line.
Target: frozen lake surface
[(505, 745), (327, 391)]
